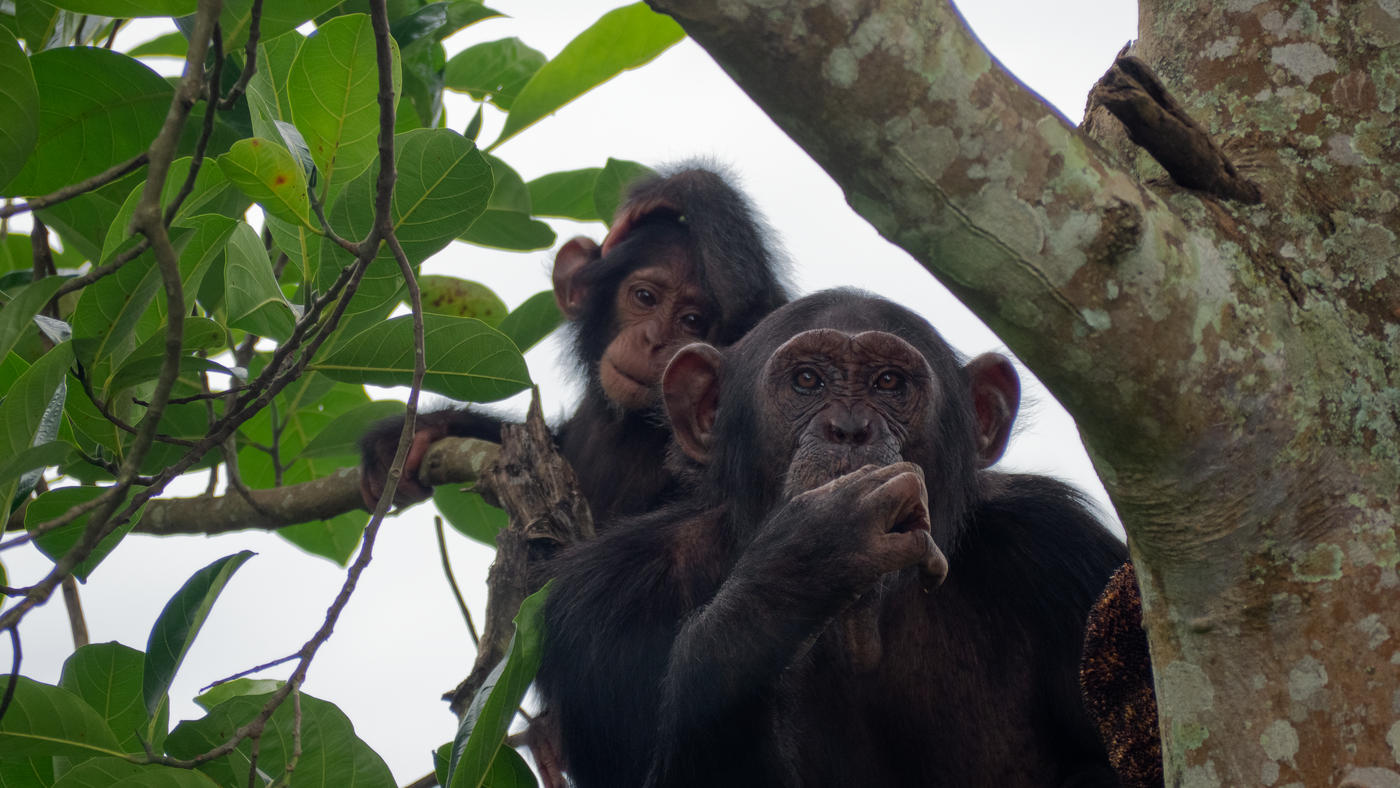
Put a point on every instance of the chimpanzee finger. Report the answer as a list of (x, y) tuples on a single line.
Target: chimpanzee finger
[(900, 502), (903, 549)]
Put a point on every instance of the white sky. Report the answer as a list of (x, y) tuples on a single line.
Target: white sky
[(401, 642)]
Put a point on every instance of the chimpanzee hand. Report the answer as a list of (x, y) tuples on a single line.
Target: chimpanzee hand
[(378, 446), (852, 530)]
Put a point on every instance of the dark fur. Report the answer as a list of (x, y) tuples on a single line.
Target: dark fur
[(675, 649), (618, 454)]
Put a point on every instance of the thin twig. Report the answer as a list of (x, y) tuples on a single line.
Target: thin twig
[(253, 761), (120, 424), (110, 267), (452, 581), (75, 612), (115, 172), (250, 671), (250, 58), (116, 25), (14, 672), (428, 780)]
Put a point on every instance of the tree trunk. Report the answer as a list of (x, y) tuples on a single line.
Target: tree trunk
[(1232, 366)]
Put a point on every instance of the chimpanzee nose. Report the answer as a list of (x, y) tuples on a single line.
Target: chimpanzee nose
[(848, 427)]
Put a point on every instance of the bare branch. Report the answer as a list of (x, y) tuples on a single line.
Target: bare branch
[(115, 172), (452, 581), (78, 283), (14, 671), (250, 58), (75, 612)]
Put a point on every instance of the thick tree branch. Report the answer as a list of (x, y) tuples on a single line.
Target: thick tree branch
[(1158, 123)]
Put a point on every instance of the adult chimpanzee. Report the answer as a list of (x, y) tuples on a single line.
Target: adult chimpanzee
[(785, 626), (686, 260)]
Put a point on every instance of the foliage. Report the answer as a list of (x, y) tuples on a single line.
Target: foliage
[(279, 331)]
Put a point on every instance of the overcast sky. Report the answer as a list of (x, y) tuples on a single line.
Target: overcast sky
[(401, 642)]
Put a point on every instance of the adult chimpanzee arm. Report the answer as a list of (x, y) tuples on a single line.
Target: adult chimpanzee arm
[(810, 560)]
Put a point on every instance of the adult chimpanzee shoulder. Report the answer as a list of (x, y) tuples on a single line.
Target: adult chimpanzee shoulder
[(790, 623), (687, 259)]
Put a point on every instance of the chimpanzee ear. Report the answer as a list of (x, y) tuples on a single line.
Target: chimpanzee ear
[(690, 388), (573, 255), (996, 394)]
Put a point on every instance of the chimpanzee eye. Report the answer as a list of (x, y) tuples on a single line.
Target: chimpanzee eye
[(807, 381), (694, 323), (889, 381), (644, 297)]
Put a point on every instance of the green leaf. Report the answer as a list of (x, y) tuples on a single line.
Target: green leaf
[(567, 195), (278, 18), (444, 185), (510, 192), (212, 192), (611, 187), (469, 513), (46, 455), (483, 728), (510, 230), (179, 624), (27, 406), (107, 676), (203, 253), (97, 109), (112, 772), (43, 721), (509, 770), (144, 369), (473, 129), (20, 310), (623, 39), (251, 296), (236, 688), (267, 90), (532, 321), (85, 220), (44, 26), (104, 324), (333, 756), (19, 106), (333, 87), (129, 8), (448, 295), (168, 45), (56, 543), (341, 438), (270, 175), (467, 360), (497, 70)]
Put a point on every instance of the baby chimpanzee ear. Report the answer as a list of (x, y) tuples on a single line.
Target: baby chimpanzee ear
[(572, 256), (690, 388), (996, 394)]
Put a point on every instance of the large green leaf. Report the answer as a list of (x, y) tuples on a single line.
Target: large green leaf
[(622, 39), (203, 253), (509, 770), (267, 90), (143, 369), (46, 455), (129, 8), (21, 309), (510, 230), (179, 624), (611, 186), (97, 108), (85, 220), (107, 676), (236, 688), (104, 324), (25, 413), (332, 755), (168, 45), (532, 321), (271, 177), (497, 70), (341, 438), (333, 88), (483, 728), (466, 359), (114, 772), (56, 543), (251, 296), (467, 512), (448, 295), (567, 195), (278, 18), (19, 106), (43, 721)]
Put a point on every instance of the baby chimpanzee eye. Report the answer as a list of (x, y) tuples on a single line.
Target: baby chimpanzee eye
[(889, 381), (806, 380), (644, 297)]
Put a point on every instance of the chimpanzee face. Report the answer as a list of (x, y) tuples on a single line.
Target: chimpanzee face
[(846, 401)]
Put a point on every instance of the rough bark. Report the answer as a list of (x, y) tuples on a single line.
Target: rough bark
[(1233, 368), (540, 492), (449, 461)]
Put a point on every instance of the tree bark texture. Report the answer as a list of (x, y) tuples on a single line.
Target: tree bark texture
[(449, 461), (1232, 366)]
